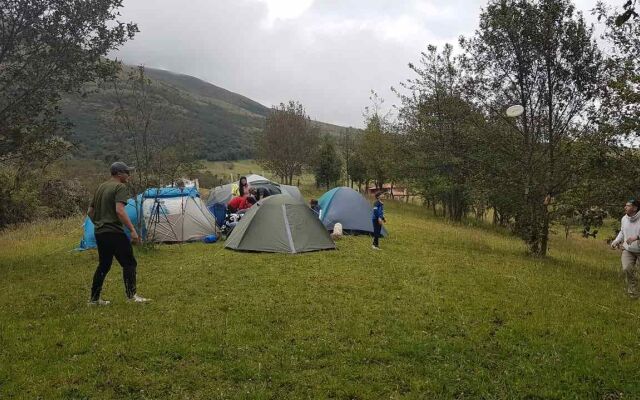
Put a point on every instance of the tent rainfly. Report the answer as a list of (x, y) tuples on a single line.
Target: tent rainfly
[(348, 207), (174, 215), (220, 196), (280, 224), (170, 215), (223, 194)]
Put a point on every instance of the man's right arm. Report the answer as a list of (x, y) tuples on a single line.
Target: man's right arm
[(620, 236), (124, 218), (618, 239)]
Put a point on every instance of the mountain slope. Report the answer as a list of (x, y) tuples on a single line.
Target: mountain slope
[(224, 123), (204, 89)]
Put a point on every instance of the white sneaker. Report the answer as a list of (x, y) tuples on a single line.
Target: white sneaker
[(138, 299), (99, 302), (376, 248)]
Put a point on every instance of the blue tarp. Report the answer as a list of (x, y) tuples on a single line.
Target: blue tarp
[(164, 193)]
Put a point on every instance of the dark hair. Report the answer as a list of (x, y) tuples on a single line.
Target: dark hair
[(635, 203), (251, 200), (241, 186), (378, 194), (313, 202)]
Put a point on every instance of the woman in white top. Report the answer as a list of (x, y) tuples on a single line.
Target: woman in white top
[(628, 237)]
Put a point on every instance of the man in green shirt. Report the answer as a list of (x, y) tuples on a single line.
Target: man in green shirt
[(108, 214)]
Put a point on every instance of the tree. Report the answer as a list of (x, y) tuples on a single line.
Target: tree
[(621, 96), (374, 145), (629, 8), (348, 140), (328, 165), (542, 55), (438, 146), (373, 150), (358, 170), (48, 47), (288, 141), (155, 137)]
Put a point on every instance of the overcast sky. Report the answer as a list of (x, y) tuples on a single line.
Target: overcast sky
[(327, 54)]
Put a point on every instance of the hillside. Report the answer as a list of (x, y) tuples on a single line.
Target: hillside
[(225, 121), (444, 311)]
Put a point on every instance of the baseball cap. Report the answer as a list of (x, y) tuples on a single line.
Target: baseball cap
[(119, 166)]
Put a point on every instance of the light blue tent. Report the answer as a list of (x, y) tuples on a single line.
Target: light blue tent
[(89, 238), (348, 207)]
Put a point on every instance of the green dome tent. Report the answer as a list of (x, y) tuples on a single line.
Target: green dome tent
[(280, 224)]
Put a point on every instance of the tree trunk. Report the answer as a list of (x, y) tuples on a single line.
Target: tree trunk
[(544, 240)]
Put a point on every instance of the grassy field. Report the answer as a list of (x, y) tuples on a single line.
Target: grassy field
[(444, 311)]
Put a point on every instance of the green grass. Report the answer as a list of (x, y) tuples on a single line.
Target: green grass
[(233, 169), (444, 311)]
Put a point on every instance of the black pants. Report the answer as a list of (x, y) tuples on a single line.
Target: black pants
[(377, 228), (118, 245)]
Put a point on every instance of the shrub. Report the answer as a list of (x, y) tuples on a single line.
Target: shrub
[(63, 198)]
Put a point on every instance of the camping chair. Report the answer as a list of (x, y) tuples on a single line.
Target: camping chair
[(219, 212)]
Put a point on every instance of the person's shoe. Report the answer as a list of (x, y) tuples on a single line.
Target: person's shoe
[(138, 299), (376, 248), (99, 302)]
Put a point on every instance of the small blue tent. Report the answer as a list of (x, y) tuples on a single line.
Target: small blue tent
[(348, 207)]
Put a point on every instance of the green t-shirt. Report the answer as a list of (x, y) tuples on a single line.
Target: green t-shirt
[(104, 202)]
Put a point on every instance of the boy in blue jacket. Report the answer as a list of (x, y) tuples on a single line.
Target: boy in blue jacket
[(378, 219)]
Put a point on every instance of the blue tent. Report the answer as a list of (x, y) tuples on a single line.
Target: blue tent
[(348, 207), (89, 238)]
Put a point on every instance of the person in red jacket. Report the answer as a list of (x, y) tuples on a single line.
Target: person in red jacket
[(240, 203)]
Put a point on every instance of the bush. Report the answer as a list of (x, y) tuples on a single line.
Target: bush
[(63, 198), (17, 204), (32, 197)]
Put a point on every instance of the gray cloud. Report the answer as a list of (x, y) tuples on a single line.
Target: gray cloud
[(328, 57)]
